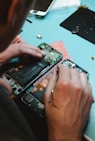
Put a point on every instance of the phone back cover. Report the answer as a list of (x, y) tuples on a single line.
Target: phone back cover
[(82, 23)]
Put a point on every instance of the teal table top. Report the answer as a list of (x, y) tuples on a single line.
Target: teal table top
[(81, 50)]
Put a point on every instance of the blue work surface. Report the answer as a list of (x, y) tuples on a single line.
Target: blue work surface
[(81, 50)]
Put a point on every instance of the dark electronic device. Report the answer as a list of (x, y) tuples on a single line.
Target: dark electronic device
[(26, 73), (34, 96), (82, 23), (41, 7)]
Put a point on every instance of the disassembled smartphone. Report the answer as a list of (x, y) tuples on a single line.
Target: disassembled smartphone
[(34, 96), (41, 7), (73, 65), (29, 71)]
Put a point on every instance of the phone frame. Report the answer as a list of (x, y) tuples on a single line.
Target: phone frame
[(30, 97), (49, 58), (40, 12)]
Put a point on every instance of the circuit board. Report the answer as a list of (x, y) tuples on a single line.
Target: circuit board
[(27, 72)]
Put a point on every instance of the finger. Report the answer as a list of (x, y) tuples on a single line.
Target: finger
[(84, 81), (35, 52), (78, 87), (86, 87), (51, 86), (75, 77), (64, 73), (88, 97), (6, 85), (83, 77), (39, 50), (29, 50)]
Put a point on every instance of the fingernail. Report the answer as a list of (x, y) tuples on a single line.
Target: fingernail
[(40, 55), (43, 52)]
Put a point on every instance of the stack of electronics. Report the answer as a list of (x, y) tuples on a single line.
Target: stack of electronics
[(29, 78)]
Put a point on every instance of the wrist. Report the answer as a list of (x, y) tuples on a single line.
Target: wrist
[(61, 137)]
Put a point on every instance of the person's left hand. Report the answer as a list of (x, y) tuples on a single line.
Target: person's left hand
[(68, 100), (19, 47)]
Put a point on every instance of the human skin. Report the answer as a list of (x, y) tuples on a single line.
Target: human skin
[(67, 109), (17, 48), (11, 45)]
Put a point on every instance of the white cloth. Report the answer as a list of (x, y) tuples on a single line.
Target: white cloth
[(65, 3)]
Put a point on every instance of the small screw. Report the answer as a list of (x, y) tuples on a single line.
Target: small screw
[(39, 36)]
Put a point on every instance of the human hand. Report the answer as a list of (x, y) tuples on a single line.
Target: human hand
[(17, 39), (19, 47), (6, 85), (67, 108)]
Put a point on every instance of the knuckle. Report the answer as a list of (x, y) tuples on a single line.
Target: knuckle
[(78, 88), (62, 84)]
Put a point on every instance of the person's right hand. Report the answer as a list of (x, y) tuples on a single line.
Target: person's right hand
[(67, 108), (17, 48), (17, 39), (6, 85)]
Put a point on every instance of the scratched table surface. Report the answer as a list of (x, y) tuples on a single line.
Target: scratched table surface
[(48, 29)]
